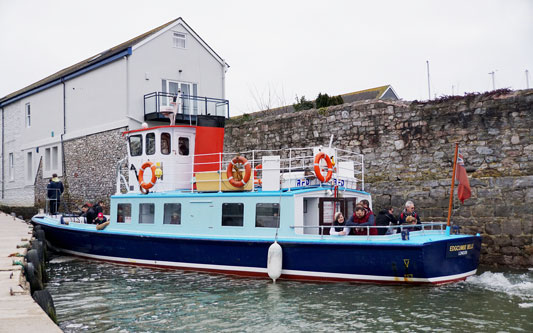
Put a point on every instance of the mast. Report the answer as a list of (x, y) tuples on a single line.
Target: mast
[(453, 183)]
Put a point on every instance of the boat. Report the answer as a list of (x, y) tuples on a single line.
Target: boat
[(187, 204)]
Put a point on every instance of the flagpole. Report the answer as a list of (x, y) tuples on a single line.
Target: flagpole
[(453, 183)]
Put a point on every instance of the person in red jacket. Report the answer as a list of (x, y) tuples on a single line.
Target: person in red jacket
[(360, 219)]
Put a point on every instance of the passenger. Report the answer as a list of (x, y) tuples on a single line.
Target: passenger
[(101, 222), (89, 213), (165, 145), (339, 226), (99, 207), (386, 218), (409, 211), (55, 189), (368, 211), (360, 218), (175, 218)]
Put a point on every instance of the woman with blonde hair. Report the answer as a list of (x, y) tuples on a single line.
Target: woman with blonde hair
[(339, 226)]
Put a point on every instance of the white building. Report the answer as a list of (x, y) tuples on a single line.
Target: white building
[(117, 89)]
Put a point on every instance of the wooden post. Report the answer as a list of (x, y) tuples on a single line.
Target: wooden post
[(453, 183)]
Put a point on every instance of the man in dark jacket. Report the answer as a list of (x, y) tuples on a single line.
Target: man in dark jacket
[(55, 189), (89, 214), (386, 218)]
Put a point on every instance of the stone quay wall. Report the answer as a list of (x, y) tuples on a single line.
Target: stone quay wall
[(409, 148), (90, 170)]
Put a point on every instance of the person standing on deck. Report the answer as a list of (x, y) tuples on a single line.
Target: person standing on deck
[(55, 189)]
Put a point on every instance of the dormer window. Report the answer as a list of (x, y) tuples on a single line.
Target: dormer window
[(179, 39)]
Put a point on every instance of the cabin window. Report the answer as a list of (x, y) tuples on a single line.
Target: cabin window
[(124, 213), (146, 213), (165, 143), (267, 215), (183, 144), (172, 213), (233, 214), (150, 143), (136, 145)]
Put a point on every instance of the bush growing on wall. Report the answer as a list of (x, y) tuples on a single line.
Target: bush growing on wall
[(323, 100), (302, 104)]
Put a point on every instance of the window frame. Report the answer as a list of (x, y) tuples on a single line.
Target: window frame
[(166, 134), (27, 114), (178, 38), (141, 144), (152, 211), (165, 213), (126, 220), (266, 224), (232, 215), (11, 166), (150, 139)]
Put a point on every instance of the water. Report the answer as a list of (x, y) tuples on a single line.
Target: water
[(93, 296)]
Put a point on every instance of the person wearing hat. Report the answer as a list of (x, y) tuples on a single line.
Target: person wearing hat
[(101, 221)]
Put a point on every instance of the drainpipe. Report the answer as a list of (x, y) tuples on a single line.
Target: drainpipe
[(3, 148)]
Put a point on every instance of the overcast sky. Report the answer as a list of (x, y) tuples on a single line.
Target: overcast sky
[(286, 48)]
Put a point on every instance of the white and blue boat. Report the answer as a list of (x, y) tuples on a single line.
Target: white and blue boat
[(186, 207)]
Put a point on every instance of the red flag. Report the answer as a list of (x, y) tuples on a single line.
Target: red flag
[(463, 191)]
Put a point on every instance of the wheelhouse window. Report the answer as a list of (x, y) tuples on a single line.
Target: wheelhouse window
[(146, 213), (267, 215), (28, 115), (123, 213), (233, 214), (172, 213), (136, 145), (165, 143), (179, 39), (183, 145), (150, 143)]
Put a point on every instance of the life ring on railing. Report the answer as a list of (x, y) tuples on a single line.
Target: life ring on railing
[(258, 181), (247, 171), (318, 173), (142, 184)]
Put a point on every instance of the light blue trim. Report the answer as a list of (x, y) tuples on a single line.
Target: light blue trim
[(77, 73)]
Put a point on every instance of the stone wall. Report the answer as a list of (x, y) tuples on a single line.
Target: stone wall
[(408, 148), (90, 164)]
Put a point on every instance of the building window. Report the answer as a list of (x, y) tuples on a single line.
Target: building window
[(29, 167), (136, 145), (233, 214), (267, 215), (165, 143), (183, 145), (172, 213), (146, 213), (150, 143), (28, 115), (11, 166), (124, 213), (179, 39), (47, 159), (55, 158)]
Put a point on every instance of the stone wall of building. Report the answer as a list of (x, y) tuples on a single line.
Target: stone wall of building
[(409, 147), (90, 169)]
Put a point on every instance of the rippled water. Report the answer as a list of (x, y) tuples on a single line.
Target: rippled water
[(95, 296)]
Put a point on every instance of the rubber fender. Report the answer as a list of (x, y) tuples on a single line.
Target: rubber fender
[(45, 301), (35, 283), (275, 261), (40, 235), (33, 257), (35, 228)]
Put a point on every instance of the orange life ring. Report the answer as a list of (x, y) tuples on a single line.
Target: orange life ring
[(257, 181), (318, 173), (149, 185), (247, 171)]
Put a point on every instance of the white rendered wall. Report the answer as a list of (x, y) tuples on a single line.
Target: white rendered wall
[(158, 59), (96, 100)]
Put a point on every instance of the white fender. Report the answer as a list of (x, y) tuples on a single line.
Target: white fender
[(274, 263)]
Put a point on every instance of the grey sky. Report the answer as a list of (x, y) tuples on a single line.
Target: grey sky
[(286, 48)]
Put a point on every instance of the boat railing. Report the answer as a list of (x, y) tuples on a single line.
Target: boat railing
[(296, 167), (425, 226)]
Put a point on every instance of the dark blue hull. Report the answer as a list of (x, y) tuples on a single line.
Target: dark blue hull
[(434, 262)]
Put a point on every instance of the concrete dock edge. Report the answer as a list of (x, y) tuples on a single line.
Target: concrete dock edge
[(18, 311)]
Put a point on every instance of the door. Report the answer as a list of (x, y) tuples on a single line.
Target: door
[(327, 208)]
